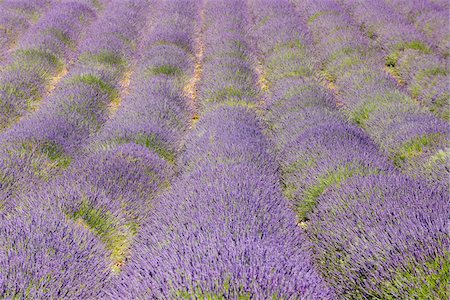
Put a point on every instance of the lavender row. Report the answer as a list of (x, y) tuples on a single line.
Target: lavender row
[(132, 158), (42, 54), (110, 186), (376, 234), (430, 17), (16, 17), (224, 230), (414, 138), (43, 145), (317, 148), (408, 55)]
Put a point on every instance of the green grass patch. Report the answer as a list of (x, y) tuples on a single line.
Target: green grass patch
[(315, 16), (416, 45), (37, 57), (48, 158), (226, 93), (56, 155), (334, 178), (415, 147), (96, 81), (420, 281), (392, 59), (152, 142), (62, 36), (362, 114), (117, 237), (168, 70), (106, 58)]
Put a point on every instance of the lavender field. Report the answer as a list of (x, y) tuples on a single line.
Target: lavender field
[(224, 149)]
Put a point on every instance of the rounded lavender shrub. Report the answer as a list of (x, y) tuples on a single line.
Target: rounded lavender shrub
[(384, 237), (223, 232), (44, 255)]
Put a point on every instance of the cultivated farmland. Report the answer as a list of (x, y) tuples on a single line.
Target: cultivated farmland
[(224, 149)]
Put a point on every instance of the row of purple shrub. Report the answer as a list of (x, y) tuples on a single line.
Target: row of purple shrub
[(99, 202), (224, 231), (43, 53), (16, 17), (375, 233), (430, 17), (414, 138), (408, 54), (43, 144), (49, 231)]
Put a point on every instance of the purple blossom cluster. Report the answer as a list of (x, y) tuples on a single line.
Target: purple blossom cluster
[(46, 256), (224, 230), (408, 55), (413, 137), (375, 233), (42, 53), (16, 17)]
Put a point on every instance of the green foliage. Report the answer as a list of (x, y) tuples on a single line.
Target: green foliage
[(414, 148), (96, 81), (392, 59), (56, 154), (115, 235), (362, 114), (333, 178), (62, 36), (106, 58), (165, 70), (153, 143), (36, 57), (429, 280), (314, 17)]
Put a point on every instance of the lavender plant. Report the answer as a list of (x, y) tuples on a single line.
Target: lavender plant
[(396, 241), (429, 17), (109, 185), (42, 145), (45, 255)]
